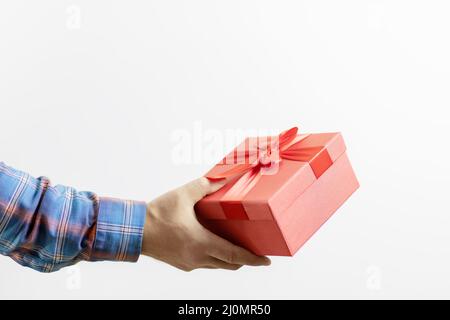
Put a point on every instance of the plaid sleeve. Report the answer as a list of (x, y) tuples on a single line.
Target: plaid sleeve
[(119, 230), (47, 228)]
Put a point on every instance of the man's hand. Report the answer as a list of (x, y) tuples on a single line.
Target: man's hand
[(172, 233)]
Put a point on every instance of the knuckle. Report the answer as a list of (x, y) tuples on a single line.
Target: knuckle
[(197, 260), (202, 185), (202, 182), (232, 256)]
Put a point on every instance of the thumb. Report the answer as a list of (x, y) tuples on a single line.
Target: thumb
[(201, 187)]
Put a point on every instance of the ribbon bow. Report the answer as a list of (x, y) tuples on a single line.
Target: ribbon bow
[(269, 154)]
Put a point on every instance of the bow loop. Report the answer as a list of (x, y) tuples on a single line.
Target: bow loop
[(267, 154), (286, 137), (298, 153)]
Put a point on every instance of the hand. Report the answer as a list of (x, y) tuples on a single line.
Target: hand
[(172, 233)]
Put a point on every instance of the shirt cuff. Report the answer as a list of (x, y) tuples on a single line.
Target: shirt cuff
[(119, 230)]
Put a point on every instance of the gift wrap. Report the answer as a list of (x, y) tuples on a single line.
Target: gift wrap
[(279, 191)]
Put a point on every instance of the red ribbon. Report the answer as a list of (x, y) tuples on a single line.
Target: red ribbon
[(274, 151)]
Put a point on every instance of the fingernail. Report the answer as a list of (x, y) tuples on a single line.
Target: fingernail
[(267, 261)]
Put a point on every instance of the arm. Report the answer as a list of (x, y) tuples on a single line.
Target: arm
[(47, 228)]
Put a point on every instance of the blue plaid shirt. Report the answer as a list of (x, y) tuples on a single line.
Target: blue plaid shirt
[(47, 228)]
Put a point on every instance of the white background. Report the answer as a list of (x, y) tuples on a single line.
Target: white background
[(91, 93)]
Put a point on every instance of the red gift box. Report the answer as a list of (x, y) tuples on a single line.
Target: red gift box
[(280, 191)]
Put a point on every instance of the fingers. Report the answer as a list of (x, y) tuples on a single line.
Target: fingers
[(223, 253), (231, 254), (201, 187), (219, 264)]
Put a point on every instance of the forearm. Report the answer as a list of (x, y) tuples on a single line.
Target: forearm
[(47, 228)]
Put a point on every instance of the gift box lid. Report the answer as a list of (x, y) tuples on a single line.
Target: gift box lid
[(252, 196)]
